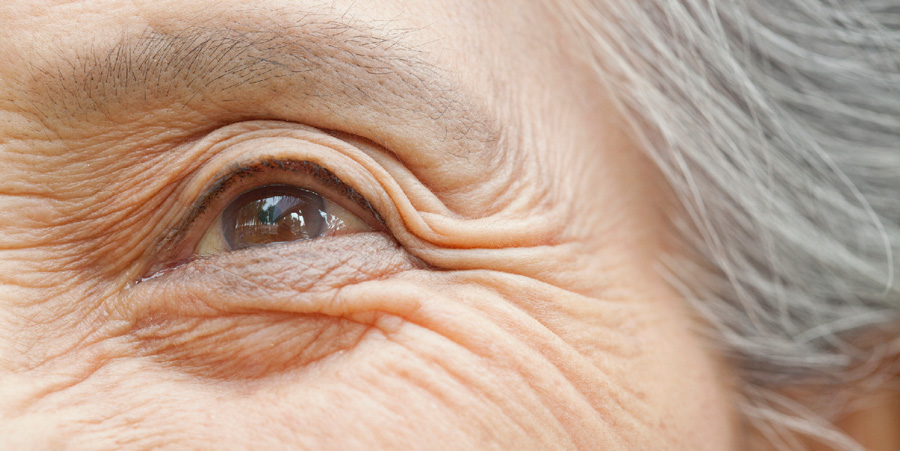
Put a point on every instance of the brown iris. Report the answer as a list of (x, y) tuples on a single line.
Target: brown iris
[(271, 214)]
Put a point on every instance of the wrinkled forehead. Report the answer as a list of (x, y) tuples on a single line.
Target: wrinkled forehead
[(435, 59), (177, 62), (475, 77)]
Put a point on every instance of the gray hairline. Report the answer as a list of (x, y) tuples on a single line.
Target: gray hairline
[(776, 123)]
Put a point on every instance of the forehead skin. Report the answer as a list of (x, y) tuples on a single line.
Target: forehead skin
[(510, 302)]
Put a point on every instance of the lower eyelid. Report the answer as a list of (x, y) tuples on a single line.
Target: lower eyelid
[(300, 279), (304, 261)]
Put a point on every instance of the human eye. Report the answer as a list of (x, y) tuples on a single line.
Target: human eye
[(274, 214), (268, 202)]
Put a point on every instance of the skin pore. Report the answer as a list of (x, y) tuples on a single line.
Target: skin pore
[(507, 298)]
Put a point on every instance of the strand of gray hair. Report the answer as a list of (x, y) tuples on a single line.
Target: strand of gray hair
[(777, 125)]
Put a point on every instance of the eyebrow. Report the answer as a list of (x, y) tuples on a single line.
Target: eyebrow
[(262, 66)]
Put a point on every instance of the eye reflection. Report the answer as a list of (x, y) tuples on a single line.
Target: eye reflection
[(276, 214)]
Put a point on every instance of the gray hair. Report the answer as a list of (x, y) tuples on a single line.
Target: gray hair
[(777, 125)]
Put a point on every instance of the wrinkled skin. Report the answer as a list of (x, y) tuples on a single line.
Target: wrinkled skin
[(510, 300)]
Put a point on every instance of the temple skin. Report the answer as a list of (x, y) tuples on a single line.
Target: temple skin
[(508, 298)]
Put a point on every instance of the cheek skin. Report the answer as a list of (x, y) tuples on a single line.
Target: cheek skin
[(379, 356)]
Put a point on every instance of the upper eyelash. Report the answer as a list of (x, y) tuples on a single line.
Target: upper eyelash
[(220, 185)]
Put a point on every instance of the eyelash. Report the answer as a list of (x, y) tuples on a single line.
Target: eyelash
[(223, 186)]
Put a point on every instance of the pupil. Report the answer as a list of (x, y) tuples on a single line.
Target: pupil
[(274, 214)]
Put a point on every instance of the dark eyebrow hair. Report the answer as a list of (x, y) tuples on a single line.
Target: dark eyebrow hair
[(260, 69)]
